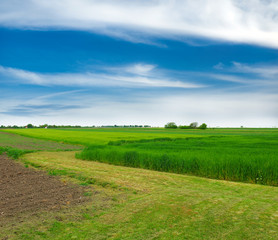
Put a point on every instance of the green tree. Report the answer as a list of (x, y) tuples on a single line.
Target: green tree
[(171, 125), (203, 126), (193, 125), (30, 125)]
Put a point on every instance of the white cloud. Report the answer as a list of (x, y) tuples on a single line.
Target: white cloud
[(265, 71), (132, 76), (150, 76), (219, 66), (140, 69), (21, 74), (231, 78), (239, 21), (257, 75)]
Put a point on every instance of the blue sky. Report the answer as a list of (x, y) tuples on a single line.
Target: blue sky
[(139, 62)]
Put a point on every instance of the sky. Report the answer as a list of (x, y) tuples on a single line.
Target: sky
[(89, 62)]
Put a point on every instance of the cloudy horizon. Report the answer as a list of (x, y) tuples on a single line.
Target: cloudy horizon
[(139, 62)]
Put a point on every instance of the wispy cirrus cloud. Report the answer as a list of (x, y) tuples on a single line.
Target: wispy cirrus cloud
[(236, 21), (150, 76), (42, 104), (39, 109), (266, 71), (131, 76), (260, 75)]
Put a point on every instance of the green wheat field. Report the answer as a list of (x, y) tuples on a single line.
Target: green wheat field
[(157, 183)]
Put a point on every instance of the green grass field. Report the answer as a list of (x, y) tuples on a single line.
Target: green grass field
[(15, 145), (246, 155), (11, 140), (141, 204), (100, 136), (134, 203)]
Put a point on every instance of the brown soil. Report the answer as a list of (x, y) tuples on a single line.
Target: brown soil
[(24, 190)]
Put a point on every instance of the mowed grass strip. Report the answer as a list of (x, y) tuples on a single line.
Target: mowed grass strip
[(158, 205)]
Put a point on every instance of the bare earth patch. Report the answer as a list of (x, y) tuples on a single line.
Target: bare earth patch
[(27, 191)]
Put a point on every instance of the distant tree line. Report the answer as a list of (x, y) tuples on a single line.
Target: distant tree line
[(193, 125), (9, 126), (41, 126), (125, 126), (75, 126)]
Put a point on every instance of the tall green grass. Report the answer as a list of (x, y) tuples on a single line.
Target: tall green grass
[(14, 153), (236, 158)]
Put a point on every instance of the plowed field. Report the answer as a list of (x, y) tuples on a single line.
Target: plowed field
[(24, 190)]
